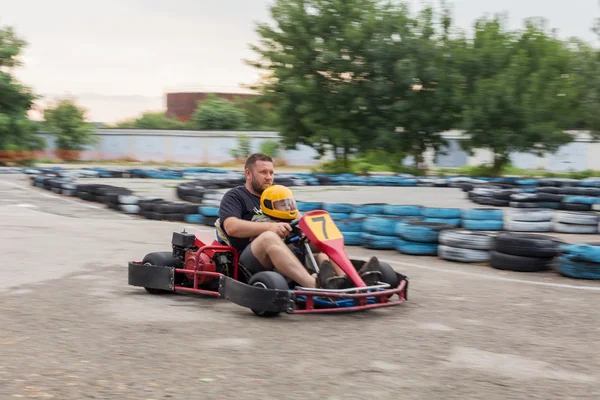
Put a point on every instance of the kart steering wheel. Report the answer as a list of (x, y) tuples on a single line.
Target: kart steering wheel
[(295, 235)]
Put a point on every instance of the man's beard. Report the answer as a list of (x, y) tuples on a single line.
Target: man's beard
[(256, 186)]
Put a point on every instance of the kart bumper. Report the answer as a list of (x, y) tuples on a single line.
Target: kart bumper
[(302, 300)]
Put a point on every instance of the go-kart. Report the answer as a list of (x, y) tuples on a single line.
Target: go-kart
[(200, 264)]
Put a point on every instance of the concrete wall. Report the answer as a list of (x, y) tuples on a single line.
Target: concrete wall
[(214, 147), (202, 147)]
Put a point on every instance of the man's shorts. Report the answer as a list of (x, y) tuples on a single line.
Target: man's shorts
[(250, 262)]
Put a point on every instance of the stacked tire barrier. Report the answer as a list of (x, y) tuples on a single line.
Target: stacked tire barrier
[(419, 237), (482, 219), (542, 196), (162, 210), (524, 252), (530, 220), (465, 246), (449, 233), (575, 222), (580, 261)]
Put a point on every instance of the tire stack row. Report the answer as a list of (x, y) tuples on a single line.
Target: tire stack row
[(524, 252), (419, 237), (571, 198), (536, 200), (482, 219), (449, 216), (379, 232), (487, 196), (465, 246), (55, 184), (575, 222), (163, 210), (529, 220), (352, 230)]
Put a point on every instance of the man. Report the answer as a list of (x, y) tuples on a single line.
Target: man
[(267, 250)]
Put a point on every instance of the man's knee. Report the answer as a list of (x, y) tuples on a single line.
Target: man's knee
[(267, 240)]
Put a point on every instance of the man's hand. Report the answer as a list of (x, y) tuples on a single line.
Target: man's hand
[(282, 229)]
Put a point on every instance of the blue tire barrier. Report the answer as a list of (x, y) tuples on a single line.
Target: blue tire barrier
[(569, 266), (369, 208), (489, 214), (195, 218), (432, 212), (385, 226), (482, 225), (379, 242), (209, 211), (352, 238), (304, 206), (338, 208), (456, 222), (357, 215), (581, 199), (416, 249), (582, 252), (350, 225), (418, 231), (339, 216), (402, 211)]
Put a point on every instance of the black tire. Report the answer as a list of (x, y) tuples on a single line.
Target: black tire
[(527, 245), (268, 280), (388, 275), (161, 259), (575, 207), (490, 201), (509, 262)]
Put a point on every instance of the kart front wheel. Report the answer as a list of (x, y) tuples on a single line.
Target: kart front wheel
[(268, 280), (388, 274)]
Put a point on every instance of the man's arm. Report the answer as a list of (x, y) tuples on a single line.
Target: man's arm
[(230, 214), (239, 228)]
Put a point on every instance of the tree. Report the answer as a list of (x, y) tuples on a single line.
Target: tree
[(215, 113), (356, 76), (432, 101), (520, 89), (17, 132), (318, 78), (258, 115), (66, 121)]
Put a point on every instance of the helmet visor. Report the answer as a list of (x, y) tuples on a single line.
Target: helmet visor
[(288, 204)]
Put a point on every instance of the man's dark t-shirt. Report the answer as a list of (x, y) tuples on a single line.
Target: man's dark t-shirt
[(240, 203)]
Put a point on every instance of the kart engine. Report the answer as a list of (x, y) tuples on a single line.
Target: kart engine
[(185, 249)]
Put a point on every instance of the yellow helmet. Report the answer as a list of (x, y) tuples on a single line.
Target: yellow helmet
[(278, 202)]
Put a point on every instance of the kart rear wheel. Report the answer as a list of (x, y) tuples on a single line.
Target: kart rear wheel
[(160, 259), (268, 280)]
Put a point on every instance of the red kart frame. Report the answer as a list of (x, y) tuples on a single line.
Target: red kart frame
[(318, 227)]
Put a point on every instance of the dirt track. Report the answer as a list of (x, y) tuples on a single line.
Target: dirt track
[(71, 327)]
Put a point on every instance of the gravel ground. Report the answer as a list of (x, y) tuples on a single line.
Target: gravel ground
[(73, 329)]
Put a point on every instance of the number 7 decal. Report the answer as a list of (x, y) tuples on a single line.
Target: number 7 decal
[(322, 220)]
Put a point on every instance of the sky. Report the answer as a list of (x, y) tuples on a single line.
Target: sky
[(119, 58)]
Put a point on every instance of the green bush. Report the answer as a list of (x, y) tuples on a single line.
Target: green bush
[(270, 148)]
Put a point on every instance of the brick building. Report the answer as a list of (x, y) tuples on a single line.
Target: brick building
[(181, 105)]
